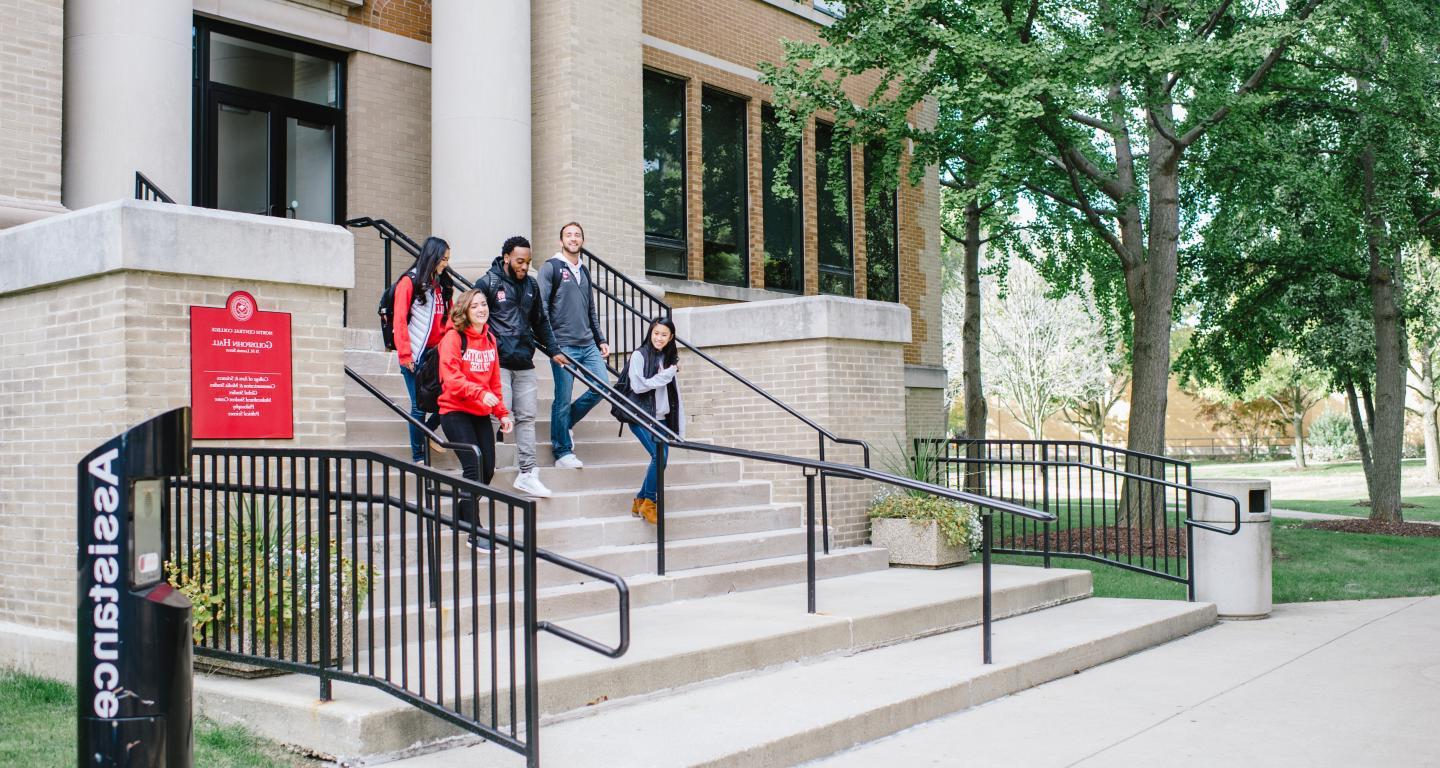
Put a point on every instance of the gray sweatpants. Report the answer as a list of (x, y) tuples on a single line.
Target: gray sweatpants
[(519, 390)]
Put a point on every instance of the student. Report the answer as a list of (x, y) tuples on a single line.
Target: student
[(422, 299), (652, 372), (565, 285), (470, 394), (517, 318)]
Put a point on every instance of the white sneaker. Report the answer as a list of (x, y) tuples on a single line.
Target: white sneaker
[(569, 461), (529, 484)]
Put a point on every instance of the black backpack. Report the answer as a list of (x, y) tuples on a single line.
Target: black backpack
[(386, 311), (427, 380)]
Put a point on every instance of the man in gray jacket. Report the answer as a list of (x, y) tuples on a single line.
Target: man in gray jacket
[(566, 287)]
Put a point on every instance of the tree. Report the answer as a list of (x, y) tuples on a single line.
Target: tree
[(1423, 289), (1317, 204), (1041, 352), (1091, 109), (1294, 389), (1092, 414)]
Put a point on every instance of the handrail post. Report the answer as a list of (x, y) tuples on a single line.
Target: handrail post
[(661, 456), (324, 587), (532, 636), (1045, 494), (810, 473), (824, 501), (1189, 540), (389, 281), (985, 580)]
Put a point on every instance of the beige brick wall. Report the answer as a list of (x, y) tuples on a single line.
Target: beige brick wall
[(853, 388), (31, 85), (924, 412), (586, 149), (746, 32), (81, 362), (388, 171)]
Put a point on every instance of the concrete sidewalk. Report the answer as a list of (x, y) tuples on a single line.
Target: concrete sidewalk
[(1317, 684)]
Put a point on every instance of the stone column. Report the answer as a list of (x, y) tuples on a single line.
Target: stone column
[(589, 143), (128, 73), (479, 127)]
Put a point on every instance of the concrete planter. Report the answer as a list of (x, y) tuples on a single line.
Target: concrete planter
[(916, 543)]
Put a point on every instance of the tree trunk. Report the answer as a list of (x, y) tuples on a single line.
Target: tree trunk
[(1362, 437), (1150, 285), (1428, 406), (974, 393), (1299, 425), (1388, 422)]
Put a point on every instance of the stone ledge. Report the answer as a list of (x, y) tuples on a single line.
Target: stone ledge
[(925, 377), (793, 319), (134, 235), (713, 291), (15, 211)]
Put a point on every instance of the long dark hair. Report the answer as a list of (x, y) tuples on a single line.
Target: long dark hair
[(671, 353), (430, 254)]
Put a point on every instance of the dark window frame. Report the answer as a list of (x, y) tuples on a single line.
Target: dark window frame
[(823, 205), (660, 242), (742, 218), (797, 173), (892, 196), (207, 95)]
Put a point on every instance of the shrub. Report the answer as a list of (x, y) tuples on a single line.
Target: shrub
[(960, 523), (1331, 438)]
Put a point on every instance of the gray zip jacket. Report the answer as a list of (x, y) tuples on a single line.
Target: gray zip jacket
[(573, 317)]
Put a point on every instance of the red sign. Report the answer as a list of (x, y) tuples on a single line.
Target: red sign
[(240, 371)]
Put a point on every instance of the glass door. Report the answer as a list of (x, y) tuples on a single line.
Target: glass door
[(270, 125)]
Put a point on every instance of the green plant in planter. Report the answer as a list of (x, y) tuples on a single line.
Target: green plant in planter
[(960, 523), (261, 571)]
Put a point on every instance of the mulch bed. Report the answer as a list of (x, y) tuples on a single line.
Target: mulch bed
[(1114, 541), (1361, 525)]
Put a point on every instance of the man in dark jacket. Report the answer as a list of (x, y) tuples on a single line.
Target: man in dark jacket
[(518, 321)]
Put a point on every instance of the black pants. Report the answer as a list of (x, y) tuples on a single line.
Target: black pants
[(474, 430)]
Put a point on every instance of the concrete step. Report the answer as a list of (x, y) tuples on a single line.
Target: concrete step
[(758, 634), (800, 713)]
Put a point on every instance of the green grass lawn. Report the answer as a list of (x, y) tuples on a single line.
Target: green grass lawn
[(1426, 507), (1309, 565), (38, 731)]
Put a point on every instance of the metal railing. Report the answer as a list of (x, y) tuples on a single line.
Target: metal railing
[(1123, 508), (357, 567), (812, 468), (145, 189), (626, 309)]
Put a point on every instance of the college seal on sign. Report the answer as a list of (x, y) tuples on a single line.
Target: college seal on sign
[(241, 306)]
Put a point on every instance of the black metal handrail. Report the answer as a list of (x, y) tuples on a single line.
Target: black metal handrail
[(303, 561), (1110, 502), (812, 468), (145, 189), (625, 328), (639, 306)]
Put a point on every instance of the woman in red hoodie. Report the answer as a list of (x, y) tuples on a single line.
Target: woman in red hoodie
[(470, 393)]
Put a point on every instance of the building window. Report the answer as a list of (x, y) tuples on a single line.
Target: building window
[(726, 188), (832, 196), (269, 124), (882, 262), (664, 118), (784, 216)]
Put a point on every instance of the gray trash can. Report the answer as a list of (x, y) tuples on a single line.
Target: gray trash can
[(1233, 572)]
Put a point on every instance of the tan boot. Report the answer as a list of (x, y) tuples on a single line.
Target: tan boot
[(647, 511), (635, 508)]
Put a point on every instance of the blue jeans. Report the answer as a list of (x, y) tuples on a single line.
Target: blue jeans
[(563, 413), (647, 488), (417, 438)]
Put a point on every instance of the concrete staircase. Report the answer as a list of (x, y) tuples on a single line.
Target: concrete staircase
[(725, 666)]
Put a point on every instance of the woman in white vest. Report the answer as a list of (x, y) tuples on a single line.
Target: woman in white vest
[(422, 308)]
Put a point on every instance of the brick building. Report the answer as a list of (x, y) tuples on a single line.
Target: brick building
[(643, 119)]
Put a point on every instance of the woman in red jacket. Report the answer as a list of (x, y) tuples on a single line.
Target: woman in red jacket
[(422, 299), (470, 393)]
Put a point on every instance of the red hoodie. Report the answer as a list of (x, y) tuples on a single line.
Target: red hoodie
[(464, 379)]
